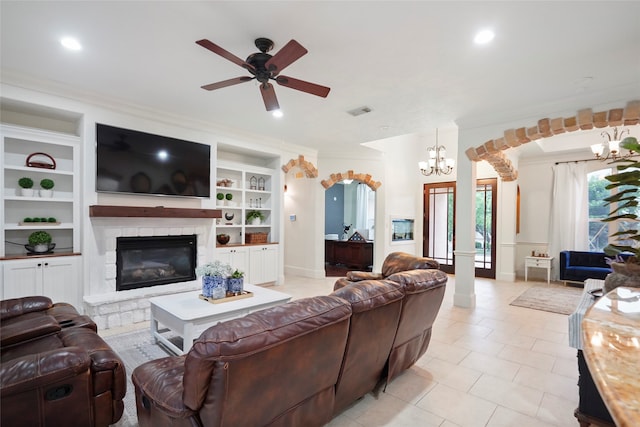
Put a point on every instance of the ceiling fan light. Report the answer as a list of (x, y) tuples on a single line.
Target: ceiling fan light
[(71, 43), (484, 37), (277, 113)]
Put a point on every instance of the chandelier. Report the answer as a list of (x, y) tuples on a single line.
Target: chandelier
[(611, 146), (437, 163)]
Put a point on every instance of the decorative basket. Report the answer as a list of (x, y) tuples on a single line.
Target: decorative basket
[(256, 237), (42, 160)]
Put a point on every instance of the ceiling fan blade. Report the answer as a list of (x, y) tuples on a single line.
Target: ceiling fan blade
[(269, 97), (290, 53), (224, 53), (226, 83), (303, 86)]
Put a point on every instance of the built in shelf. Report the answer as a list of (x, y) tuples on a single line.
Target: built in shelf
[(108, 211)]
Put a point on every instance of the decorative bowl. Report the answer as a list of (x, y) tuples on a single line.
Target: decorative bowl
[(223, 239)]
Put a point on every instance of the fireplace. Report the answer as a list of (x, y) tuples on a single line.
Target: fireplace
[(154, 260)]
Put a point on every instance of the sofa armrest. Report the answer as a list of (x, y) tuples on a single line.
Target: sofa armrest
[(40, 369), (107, 368), (17, 306)]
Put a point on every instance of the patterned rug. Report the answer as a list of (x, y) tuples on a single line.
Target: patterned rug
[(134, 348), (554, 298)]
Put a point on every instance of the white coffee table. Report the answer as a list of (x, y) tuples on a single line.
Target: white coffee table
[(188, 316)]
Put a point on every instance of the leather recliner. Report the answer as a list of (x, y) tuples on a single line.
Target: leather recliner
[(55, 376), (395, 262)]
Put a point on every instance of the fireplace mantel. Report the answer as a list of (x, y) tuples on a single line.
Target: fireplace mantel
[(109, 211)]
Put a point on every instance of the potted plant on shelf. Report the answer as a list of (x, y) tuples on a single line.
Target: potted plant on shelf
[(26, 184), (626, 261), (229, 197), (214, 276), (235, 282), (40, 242), (254, 217), (47, 185), (220, 197)]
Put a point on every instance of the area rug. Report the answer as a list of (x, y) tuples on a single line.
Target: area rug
[(134, 348), (553, 298)]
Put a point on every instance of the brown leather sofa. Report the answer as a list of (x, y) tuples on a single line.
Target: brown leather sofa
[(298, 364), (395, 262), (55, 369)]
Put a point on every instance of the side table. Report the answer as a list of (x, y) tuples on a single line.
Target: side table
[(538, 262)]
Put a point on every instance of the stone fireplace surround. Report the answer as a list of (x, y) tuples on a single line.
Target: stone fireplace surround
[(110, 308)]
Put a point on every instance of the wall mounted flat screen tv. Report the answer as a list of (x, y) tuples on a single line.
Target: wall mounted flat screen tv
[(130, 161)]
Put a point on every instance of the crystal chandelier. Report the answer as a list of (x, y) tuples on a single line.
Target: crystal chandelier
[(437, 163), (611, 146)]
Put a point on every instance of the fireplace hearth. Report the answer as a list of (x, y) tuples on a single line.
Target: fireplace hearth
[(155, 260)]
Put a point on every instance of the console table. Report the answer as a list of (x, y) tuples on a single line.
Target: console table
[(358, 254), (538, 262)]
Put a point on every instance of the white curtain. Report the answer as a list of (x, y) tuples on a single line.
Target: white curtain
[(569, 222), (362, 207)]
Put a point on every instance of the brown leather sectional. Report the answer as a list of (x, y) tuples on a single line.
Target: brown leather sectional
[(55, 369), (298, 364)]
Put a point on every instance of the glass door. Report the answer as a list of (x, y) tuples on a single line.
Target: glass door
[(439, 225)]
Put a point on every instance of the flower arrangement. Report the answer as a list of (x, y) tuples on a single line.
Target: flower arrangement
[(215, 268)]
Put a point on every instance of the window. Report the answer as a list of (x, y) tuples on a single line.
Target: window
[(600, 232), (598, 210)]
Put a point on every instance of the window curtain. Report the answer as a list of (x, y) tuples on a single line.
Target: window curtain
[(362, 207), (569, 222)]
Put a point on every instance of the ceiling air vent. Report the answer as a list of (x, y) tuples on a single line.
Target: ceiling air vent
[(359, 111)]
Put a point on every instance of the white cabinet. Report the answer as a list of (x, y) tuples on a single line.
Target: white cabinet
[(236, 256), (58, 214), (54, 277), (263, 264)]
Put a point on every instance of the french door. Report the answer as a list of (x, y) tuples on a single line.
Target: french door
[(439, 225)]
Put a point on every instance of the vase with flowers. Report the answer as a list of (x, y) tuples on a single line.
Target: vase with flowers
[(214, 279)]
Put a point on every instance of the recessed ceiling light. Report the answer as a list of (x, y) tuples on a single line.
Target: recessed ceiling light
[(277, 114), (70, 43), (484, 37)]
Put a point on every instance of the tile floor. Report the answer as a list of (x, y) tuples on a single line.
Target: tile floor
[(494, 365)]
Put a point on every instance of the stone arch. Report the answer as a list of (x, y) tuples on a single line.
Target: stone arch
[(362, 177), (492, 150), (310, 171)]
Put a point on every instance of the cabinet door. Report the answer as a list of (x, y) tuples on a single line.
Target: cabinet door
[(263, 264), (237, 258), (60, 280), (22, 278), (56, 278)]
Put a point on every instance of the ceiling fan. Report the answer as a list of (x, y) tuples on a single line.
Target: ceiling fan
[(264, 67)]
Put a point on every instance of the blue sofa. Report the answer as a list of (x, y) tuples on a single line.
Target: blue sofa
[(577, 266)]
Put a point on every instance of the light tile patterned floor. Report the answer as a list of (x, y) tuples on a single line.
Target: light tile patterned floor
[(495, 365)]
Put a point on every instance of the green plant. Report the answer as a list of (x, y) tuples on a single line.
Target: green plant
[(47, 184), (220, 196), (36, 220), (215, 268), (25, 182), (627, 181), (228, 196), (255, 214), (51, 219), (39, 238), (27, 219), (237, 274)]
